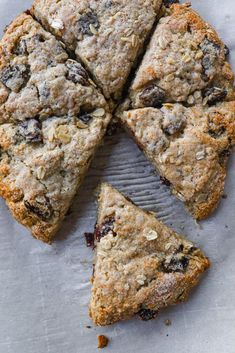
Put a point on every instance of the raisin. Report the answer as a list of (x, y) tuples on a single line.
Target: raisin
[(226, 50), (152, 96), (84, 22), (192, 250), (168, 3), (30, 130), (106, 227), (14, 77), (165, 181), (216, 133), (223, 156), (89, 239), (147, 314), (76, 73), (215, 94), (85, 117), (41, 208), (211, 52), (21, 48), (175, 264)]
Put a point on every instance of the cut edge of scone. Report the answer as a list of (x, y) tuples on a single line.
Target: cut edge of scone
[(141, 265), (216, 136), (36, 211)]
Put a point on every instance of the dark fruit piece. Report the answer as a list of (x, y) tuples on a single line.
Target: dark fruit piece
[(89, 239), (216, 133), (211, 52), (165, 181), (152, 96), (105, 228), (223, 156), (170, 2), (226, 50), (14, 77), (30, 130), (147, 314), (76, 72), (177, 263), (85, 117), (85, 21), (40, 208), (215, 94)]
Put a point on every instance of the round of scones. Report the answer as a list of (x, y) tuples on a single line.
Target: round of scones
[(66, 68)]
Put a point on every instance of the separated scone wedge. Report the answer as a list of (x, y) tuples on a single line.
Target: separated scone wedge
[(189, 147), (141, 265), (52, 118), (185, 62), (107, 35)]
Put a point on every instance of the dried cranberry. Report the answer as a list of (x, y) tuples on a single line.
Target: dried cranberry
[(147, 314), (152, 96), (165, 181), (175, 264), (89, 239), (106, 227), (30, 130), (41, 208), (84, 22)]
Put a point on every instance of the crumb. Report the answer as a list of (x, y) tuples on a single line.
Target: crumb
[(167, 322), (167, 335), (226, 226), (224, 196), (102, 341), (88, 326)]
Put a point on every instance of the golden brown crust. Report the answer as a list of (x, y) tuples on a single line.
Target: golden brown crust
[(189, 147), (45, 145), (141, 265)]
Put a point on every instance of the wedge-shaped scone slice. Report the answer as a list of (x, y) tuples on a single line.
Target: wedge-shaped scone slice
[(189, 147), (107, 35), (185, 62), (52, 118), (141, 265)]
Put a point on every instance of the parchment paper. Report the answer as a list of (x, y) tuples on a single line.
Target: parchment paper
[(44, 291)]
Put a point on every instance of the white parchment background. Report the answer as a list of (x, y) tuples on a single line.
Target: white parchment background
[(44, 291)]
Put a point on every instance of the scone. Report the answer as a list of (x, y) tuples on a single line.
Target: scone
[(189, 147), (185, 62), (141, 265), (52, 118), (107, 35)]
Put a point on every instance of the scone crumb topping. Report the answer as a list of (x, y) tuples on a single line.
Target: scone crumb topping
[(102, 341)]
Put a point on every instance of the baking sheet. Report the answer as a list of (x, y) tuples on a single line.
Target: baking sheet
[(44, 290)]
